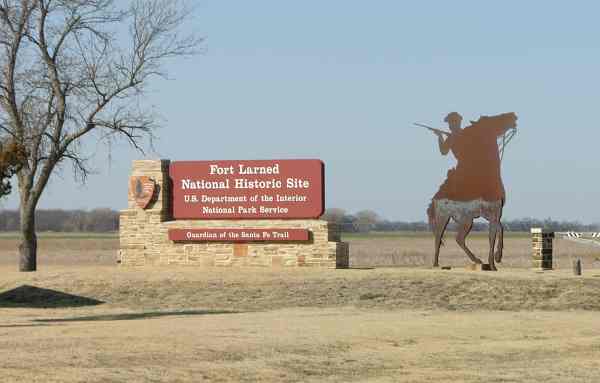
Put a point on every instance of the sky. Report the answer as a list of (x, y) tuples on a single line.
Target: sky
[(343, 81)]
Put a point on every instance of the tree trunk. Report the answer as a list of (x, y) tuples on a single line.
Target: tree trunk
[(28, 246)]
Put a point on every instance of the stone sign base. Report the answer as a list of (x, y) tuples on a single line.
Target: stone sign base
[(144, 236), (145, 241)]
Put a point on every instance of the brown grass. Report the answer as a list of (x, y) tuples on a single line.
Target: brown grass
[(65, 249), (417, 250), (188, 324), (403, 249), (309, 345)]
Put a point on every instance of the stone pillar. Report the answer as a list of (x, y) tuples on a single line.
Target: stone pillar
[(541, 242), (139, 228)]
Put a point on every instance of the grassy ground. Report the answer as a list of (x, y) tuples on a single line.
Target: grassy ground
[(416, 249), (379, 325), (81, 318), (65, 248), (370, 250), (61, 235), (308, 345), (421, 234)]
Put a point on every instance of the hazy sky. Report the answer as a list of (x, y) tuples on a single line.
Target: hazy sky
[(344, 80)]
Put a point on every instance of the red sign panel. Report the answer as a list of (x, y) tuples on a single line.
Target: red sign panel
[(238, 235), (264, 189)]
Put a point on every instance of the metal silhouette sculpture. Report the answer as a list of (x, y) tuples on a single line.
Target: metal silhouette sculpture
[(474, 187)]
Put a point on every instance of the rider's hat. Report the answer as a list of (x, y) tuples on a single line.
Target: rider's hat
[(453, 116)]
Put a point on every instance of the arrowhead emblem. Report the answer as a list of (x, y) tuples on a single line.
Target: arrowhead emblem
[(142, 188)]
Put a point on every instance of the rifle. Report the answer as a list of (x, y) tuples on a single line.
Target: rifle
[(432, 129), (506, 138)]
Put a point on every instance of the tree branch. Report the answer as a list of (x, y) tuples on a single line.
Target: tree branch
[(67, 74)]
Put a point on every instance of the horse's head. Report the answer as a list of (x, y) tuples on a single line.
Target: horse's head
[(507, 120), (504, 120)]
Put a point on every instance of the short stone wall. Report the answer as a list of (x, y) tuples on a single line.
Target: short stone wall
[(143, 235)]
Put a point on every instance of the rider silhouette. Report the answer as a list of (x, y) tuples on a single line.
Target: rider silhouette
[(477, 172)]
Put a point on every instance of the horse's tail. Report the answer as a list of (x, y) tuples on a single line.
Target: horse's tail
[(431, 217)]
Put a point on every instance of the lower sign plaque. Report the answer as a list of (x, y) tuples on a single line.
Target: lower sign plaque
[(238, 235)]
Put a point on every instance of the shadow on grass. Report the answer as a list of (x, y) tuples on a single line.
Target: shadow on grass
[(134, 316), (22, 325), (37, 297)]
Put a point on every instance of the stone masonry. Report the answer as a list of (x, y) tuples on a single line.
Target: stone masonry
[(143, 235), (541, 242)]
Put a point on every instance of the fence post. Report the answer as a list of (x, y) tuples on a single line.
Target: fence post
[(541, 243), (577, 266)]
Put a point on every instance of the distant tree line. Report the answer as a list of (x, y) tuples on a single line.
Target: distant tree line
[(365, 221), (96, 220)]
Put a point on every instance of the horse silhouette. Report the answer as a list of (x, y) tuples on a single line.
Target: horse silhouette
[(474, 187)]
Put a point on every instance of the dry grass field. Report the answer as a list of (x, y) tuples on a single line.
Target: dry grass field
[(81, 318), (416, 249), (373, 250)]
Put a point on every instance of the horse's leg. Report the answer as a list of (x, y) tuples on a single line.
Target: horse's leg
[(500, 246), (438, 232), (494, 226), (464, 227)]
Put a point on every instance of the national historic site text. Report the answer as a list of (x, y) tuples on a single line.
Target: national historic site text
[(247, 189), (244, 183)]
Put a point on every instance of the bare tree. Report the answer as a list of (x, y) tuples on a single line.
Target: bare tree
[(334, 215), (366, 220), (67, 74)]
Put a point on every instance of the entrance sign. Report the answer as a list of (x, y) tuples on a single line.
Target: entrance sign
[(263, 189), (263, 213), (238, 235)]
